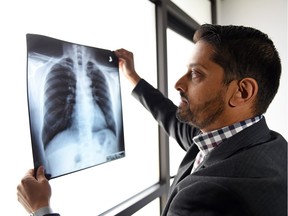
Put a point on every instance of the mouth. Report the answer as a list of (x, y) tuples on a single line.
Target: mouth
[(182, 104), (183, 98), (183, 101)]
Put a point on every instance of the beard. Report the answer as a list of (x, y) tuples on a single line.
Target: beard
[(202, 115)]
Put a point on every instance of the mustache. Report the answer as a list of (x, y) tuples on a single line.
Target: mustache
[(183, 95)]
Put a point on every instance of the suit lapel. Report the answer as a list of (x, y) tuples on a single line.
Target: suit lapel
[(186, 165)]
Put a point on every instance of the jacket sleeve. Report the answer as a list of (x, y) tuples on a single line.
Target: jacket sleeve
[(54, 214), (206, 198), (164, 112)]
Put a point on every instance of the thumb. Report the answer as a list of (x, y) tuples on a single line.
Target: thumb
[(40, 174)]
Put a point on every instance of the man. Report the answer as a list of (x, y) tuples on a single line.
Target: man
[(235, 165)]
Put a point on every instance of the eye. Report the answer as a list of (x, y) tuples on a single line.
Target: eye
[(194, 74)]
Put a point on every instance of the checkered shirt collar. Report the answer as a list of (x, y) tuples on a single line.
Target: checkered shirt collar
[(206, 142)]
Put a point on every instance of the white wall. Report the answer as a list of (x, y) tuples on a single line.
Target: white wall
[(269, 16)]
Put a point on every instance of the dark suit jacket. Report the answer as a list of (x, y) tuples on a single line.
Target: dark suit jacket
[(52, 214), (245, 175)]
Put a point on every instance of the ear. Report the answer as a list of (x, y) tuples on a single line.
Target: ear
[(245, 92)]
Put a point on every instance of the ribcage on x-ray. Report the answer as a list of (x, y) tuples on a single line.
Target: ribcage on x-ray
[(60, 90), (100, 93)]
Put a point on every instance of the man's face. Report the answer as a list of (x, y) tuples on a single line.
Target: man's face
[(202, 90)]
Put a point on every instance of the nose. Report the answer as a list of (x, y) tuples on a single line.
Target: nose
[(179, 85)]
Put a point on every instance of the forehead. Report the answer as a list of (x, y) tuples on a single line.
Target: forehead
[(201, 54)]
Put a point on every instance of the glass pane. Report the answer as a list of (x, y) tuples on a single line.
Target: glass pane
[(200, 11), (179, 50), (103, 24)]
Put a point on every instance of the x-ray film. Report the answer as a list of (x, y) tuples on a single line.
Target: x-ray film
[(75, 107)]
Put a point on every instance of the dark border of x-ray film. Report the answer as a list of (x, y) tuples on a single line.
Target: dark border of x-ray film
[(48, 46)]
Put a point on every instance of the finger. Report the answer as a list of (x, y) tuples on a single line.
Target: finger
[(21, 197), (41, 174), (30, 172), (121, 52), (118, 54), (19, 188), (22, 200), (27, 179)]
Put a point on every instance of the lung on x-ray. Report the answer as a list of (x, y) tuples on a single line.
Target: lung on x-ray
[(75, 107)]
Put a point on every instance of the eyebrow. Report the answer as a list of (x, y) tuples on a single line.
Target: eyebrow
[(196, 64)]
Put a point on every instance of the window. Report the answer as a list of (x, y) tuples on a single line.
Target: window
[(179, 50), (102, 24), (200, 11)]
